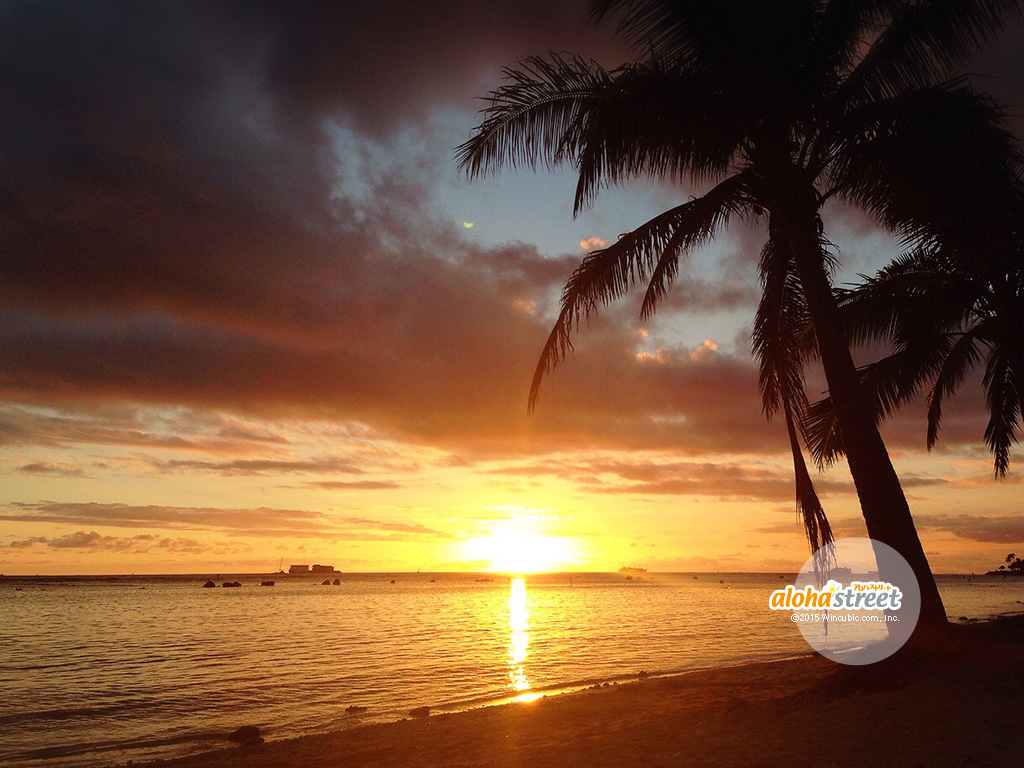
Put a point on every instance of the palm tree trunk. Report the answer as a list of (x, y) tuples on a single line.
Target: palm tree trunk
[(882, 501)]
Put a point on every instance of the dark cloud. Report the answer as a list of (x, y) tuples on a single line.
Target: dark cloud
[(728, 292), (262, 466), (397, 59), (205, 256), (141, 544), (723, 480), (60, 469), (26, 543), (993, 529), (260, 521), (181, 148), (989, 529), (134, 427), (199, 210), (354, 485)]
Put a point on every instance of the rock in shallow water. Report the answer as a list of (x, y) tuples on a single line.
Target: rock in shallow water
[(247, 734)]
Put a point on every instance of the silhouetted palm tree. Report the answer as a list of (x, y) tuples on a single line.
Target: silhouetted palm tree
[(943, 311), (781, 106)]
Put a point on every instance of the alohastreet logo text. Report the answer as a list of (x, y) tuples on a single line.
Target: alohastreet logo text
[(858, 596)]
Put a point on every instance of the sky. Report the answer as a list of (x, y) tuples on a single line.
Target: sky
[(252, 314)]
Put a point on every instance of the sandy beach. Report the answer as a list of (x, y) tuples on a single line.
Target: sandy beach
[(955, 703)]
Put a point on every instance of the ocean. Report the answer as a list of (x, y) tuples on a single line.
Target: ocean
[(97, 671)]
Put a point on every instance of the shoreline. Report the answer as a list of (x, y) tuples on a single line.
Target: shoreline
[(943, 705)]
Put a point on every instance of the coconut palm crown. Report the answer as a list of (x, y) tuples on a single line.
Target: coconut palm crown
[(942, 313), (774, 106)]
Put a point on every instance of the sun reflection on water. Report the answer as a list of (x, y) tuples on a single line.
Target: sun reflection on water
[(519, 640)]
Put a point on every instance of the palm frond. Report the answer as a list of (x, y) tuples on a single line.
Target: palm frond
[(779, 325), (609, 273), (962, 356), (888, 384), (660, 121), (911, 298), (776, 343), (838, 39), (824, 439), (816, 525), (899, 158), (1004, 403), (528, 117), (710, 34), (709, 214), (925, 41), (651, 119)]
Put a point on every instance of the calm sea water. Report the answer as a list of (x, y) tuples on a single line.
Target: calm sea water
[(96, 671)]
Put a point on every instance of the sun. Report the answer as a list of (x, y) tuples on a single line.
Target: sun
[(512, 547)]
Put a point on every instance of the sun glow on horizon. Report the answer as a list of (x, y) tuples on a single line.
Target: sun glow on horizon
[(512, 547)]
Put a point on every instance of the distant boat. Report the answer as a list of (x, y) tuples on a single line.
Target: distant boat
[(632, 570), (840, 571)]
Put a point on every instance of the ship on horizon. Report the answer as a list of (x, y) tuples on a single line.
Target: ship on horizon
[(315, 568), (626, 569)]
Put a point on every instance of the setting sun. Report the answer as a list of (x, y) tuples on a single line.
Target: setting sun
[(512, 548)]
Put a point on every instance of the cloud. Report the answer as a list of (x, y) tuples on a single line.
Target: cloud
[(993, 529), (725, 292), (26, 543), (593, 243), (206, 209), (60, 469), (989, 529), (232, 237), (705, 349), (401, 58), (262, 466), (142, 544), (656, 476), (182, 429), (354, 485), (258, 521)]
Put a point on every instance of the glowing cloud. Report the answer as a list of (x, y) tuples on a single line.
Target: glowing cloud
[(593, 243), (703, 350)]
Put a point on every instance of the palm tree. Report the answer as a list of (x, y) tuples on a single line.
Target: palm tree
[(943, 312), (777, 107)]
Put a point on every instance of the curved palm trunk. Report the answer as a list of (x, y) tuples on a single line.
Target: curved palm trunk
[(883, 504)]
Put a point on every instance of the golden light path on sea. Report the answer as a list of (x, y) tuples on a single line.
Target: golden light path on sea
[(519, 640)]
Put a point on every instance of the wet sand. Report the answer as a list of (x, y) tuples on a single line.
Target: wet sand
[(956, 702)]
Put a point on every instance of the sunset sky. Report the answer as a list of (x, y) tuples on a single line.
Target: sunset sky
[(245, 317)]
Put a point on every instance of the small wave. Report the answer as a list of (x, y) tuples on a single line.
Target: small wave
[(127, 745)]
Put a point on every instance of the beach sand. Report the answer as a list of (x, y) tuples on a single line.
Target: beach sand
[(957, 702)]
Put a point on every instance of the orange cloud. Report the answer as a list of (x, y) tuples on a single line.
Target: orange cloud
[(593, 243), (705, 349)]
